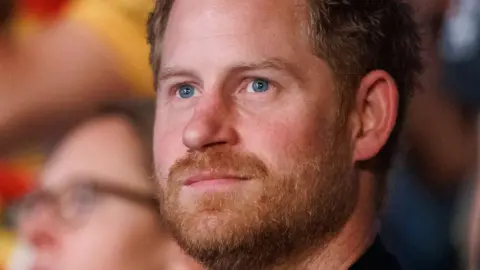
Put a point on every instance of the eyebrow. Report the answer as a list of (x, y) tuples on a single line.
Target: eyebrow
[(271, 63)]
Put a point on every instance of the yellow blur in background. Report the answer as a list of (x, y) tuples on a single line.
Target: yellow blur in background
[(7, 244)]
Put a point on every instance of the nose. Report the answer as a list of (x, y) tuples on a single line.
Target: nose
[(211, 124), (38, 229)]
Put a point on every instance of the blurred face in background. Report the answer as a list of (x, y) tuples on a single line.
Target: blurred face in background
[(95, 207)]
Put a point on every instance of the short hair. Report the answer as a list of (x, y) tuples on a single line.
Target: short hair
[(354, 37)]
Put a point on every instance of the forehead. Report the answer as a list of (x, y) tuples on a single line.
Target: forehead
[(106, 149), (252, 13), (237, 29)]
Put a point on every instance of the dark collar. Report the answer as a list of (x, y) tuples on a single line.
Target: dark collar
[(376, 258)]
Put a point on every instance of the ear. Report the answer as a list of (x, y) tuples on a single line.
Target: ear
[(375, 114)]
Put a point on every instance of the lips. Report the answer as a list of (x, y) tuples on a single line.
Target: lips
[(211, 177)]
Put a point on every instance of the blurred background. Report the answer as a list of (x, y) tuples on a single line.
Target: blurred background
[(60, 62), (63, 60)]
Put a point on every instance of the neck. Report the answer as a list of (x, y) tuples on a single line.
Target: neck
[(353, 240)]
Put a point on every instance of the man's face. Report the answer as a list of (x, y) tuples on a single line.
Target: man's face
[(251, 151)]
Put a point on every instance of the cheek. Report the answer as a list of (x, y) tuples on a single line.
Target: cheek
[(278, 142), (167, 148), (91, 247), (109, 242)]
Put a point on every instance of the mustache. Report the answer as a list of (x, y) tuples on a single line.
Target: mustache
[(218, 159)]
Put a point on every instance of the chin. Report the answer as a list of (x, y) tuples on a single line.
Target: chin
[(213, 220)]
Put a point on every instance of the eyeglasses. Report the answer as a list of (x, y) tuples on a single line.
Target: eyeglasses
[(75, 202)]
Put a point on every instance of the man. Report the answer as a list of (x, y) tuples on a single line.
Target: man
[(275, 125)]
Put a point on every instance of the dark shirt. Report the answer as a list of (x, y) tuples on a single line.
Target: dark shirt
[(377, 258), (416, 224)]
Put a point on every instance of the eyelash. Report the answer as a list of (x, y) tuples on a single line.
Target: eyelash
[(172, 90), (247, 80)]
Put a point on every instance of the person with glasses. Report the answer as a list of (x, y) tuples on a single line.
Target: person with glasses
[(95, 207)]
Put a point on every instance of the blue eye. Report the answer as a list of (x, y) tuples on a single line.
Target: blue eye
[(186, 91), (258, 86)]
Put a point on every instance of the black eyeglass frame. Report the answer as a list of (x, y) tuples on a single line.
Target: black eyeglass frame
[(95, 186)]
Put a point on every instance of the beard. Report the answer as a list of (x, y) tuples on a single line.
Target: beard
[(276, 218)]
